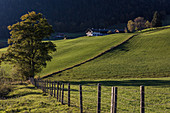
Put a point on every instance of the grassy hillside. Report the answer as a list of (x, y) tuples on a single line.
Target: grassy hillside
[(145, 55), (74, 51), (26, 98)]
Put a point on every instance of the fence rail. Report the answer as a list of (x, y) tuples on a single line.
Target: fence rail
[(75, 95)]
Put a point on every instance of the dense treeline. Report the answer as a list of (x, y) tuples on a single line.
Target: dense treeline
[(78, 15)]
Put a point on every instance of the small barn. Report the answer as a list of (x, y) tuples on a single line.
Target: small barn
[(119, 31)]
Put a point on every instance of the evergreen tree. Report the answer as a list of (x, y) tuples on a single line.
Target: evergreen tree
[(156, 21), (148, 24), (26, 50)]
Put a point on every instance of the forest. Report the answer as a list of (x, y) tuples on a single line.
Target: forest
[(78, 15)]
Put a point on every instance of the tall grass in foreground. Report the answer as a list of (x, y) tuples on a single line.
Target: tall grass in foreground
[(27, 99), (156, 98)]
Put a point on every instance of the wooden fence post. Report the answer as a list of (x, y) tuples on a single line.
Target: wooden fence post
[(81, 100), (52, 89), (99, 98), (62, 97), (115, 100), (112, 100), (50, 83), (142, 101), (43, 86), (47, 86), (68, 94), (39, 83), (57, 89), (54, 86), (35, 84), (60, 93)]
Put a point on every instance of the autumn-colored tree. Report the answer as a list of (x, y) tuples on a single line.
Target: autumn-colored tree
[(131, 26), (27, 50), (139, 23)]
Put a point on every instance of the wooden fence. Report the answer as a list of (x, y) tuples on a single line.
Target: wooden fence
[(63, 94)]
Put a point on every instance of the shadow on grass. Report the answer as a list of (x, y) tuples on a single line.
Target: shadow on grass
[(22, 94), (126, 83), (27, 87)]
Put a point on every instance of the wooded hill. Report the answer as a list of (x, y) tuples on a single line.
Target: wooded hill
[(78, 15)]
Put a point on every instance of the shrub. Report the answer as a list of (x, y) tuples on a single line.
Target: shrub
[(4, 90)]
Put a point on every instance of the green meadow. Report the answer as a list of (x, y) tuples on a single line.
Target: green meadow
[(157, 93), (74, 51), (28, 99), (141, 60), (145, 55)]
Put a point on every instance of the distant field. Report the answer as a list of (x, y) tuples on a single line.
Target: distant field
[(146, 55), (69, 35), (74, 51)]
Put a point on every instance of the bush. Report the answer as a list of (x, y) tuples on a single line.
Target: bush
[(4, 90)]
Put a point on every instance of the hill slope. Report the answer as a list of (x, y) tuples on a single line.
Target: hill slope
[(146, 55), (76, 51)]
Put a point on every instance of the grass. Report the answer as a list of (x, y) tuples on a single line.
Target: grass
[(145, 55), (71, 35), (3, 50), (26, 98), (157, 92), (74, 51), (153, 29)]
